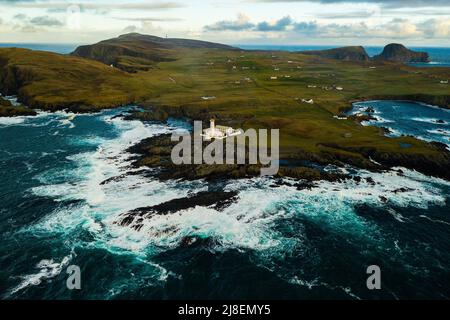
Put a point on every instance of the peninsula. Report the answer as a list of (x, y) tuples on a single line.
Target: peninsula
[(250, 89)]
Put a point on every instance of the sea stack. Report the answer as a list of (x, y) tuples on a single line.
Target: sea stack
[(395, 52)]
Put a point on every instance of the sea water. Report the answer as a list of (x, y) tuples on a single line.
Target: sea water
[(60, 207)]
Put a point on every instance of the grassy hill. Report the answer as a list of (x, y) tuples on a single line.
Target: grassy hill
[(135, 52), (255, 89)]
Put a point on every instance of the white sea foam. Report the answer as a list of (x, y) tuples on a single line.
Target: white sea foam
[(440, 132), (8, 121), (251, 223), (429, 120), (48, 269)]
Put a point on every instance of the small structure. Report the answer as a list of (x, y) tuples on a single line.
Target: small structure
[(208, 98), (219, 132), (310, 101)]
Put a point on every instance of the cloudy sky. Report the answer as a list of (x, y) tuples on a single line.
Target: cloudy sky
[(334, 22)]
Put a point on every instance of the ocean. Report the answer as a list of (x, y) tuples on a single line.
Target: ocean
[(64, 48), (65, 185)]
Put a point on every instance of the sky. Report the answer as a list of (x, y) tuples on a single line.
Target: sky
[(268, 22)]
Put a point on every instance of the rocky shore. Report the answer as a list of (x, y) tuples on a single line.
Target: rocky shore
[(8, 110), (155, 152)]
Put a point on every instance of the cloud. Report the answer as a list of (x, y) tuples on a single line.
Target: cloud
[(46, 21), (242, 23), (279, 25), (100, 5), (130, 29), (20, 16), (360, 14), (306, 27), (151, 19), (397, 28), (384, 3), (435, 28)]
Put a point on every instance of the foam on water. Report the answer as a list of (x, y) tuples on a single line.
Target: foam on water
[(245, 224), (252, 223), (48, 269), (429, 120)]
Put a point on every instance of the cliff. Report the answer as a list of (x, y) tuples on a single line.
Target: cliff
[(344, 54), (399, 53)]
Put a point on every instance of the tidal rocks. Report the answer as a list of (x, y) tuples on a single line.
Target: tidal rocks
[(395, 52), (8, 110), (216, 200), (155, 152)]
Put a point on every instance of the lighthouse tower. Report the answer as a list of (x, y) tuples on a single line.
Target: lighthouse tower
[(212, 125)]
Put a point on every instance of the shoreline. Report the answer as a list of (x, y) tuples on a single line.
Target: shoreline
[(375, 161)]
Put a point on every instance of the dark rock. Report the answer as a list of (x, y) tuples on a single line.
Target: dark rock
[(216, 200), (398, 53), (346, 54)]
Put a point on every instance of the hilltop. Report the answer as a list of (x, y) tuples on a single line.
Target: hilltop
[(136, 52), (399, 53)]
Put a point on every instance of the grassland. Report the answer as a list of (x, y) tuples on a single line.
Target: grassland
[(246, 95)]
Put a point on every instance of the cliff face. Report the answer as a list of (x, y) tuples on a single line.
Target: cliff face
[(344, 54), (134, 52), (398, 53), (13, 77)]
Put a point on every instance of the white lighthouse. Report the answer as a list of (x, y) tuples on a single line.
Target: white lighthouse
[(219, 132)]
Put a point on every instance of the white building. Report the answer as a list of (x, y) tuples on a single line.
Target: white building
[(219, 132)]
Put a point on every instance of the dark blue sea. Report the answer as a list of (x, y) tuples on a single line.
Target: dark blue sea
[(63, 48), (65, 183)]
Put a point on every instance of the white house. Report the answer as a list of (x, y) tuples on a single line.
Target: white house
[(310, 101), (208, 98)]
